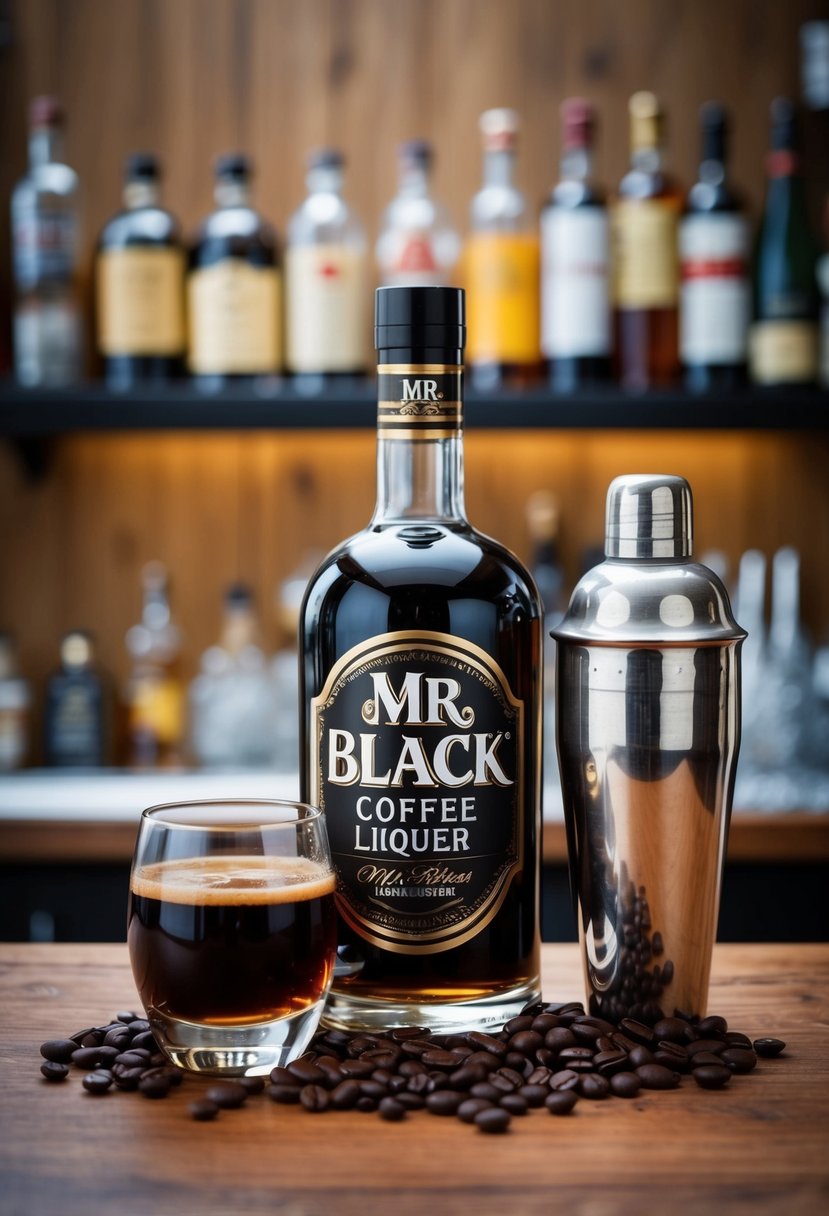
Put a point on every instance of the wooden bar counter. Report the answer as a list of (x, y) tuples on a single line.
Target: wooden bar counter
[(759, 1146)]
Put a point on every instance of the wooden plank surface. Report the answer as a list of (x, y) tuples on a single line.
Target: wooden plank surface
[(757, 1147)]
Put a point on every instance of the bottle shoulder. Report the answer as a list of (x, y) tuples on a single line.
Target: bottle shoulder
[(640, 185), (325, 219), (142, 226), (706, 198), (573, 195), (498, 208), (235, 232)]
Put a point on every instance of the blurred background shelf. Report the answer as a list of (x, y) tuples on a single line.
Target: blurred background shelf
[(31, 413)]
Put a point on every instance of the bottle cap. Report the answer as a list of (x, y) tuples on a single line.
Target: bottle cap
[(649, 515), (499, 129), (714, 122), (76, 649), (46, 112), (142, 167), (325, 158), (416, 152), (578, 121), (238, 595), (233, 166), (419, 318), (647, 121)]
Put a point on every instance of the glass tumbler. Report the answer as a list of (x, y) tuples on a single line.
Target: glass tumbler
[(232, 931)]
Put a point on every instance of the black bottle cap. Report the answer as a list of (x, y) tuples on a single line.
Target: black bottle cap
[(416, 152), (783, 125), (420, 318), (234, 167), (325, 158), (714, 122), (142, 167), (238, 595)]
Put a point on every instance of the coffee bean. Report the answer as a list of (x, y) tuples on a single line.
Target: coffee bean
[(91, 1039), (575, 1053), (486, 1042), (712, 1076), (608, 1063), (738, 1059), (401, 1033), (558, 1038), (503, 1084), (534, 1095), (484, 1090), (561, 1102), (625, 1085), (517, 1024), (391, 1110), (173, 1076), (203, 1110), (58, 1051), (373, 1089), (514, 1103), (157, 1087), (130, 1059), (518, 1063), (281, 1076), (87, 1057), (735, 1039), (672, 1056), (97, 1082), (444, 1102), (139, 1026), (410, 1101), (366, 1105), (126, 1078), (716, 1046), (410, 1068), (314, 1098), (769, 1048), (79, 1036), (285, 1095), (145, 1039), (416, 1047), (344, 1096), (471, 1107), (526, 1041), (544, 1022), (585, 1034), (466, 1076), (252, 1085), (670, 1029), (483, 1059), (713, 1027), (359, 1069), (494, 1121), (638, 1031), (703, 1058), (307, 1072), (52, 1070), (656, 1076), (510, 1074), (594, 1087), (639, 1055), (126, 1017), (227, 1094), (539, 1076), (120, 1038), (439, 1059), (564, 1080)]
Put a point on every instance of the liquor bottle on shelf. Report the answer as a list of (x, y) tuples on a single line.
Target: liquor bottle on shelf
[(501, 267), (715, 296), (326, 282), (140, 282), (154, 694), (233, 698), (48, 333), (418, 243), (646, 281), (15, 708), (76, 729), (234, 286), (420, 689), (575, 306), (784, 333), (823, 284)]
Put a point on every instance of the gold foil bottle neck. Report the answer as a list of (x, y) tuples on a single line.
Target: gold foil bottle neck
[(647, 121)]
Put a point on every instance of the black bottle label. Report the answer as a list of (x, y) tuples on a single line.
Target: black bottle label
[(416, 747), (419, 401)]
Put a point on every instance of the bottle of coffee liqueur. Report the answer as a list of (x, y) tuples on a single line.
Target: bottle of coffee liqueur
[(646, 280), (140, 280), (76, 707), (234, 288), (418, 245), (502, 267), (420, 677), (326, 281), (784, 333), (575, 304), (48, 334), (714, 251)]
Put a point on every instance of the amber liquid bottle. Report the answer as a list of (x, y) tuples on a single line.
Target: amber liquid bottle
[(646, 273), (421, 649)]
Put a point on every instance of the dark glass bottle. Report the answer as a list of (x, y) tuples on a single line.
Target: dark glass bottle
[(421, 646), (234, 286), (140, 285), (714, 253), (784, 333), (575, 306), (646, 281), (77, 704)]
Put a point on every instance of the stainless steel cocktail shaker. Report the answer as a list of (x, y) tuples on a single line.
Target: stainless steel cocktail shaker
[(648, 718)]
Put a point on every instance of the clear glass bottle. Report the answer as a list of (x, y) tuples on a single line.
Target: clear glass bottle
[(76, 728), (501, 267), (326, 282), (418, 243), (15, 708), (646, 270), (784, 332), (234, 287), (715, 296), (233, 707), (48, 333), (140, 284), (420, 687), (575, 262), (154, 695)]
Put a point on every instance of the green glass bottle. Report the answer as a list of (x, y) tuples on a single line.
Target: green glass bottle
[(784, 338)]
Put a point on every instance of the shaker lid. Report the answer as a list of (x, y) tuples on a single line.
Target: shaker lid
[(649, 515)]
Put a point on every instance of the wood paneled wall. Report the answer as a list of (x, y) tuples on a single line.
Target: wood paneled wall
[(192, 78)]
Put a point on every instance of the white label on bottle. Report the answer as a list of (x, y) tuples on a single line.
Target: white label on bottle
[(575, 315), (714, 296), (326, 297)]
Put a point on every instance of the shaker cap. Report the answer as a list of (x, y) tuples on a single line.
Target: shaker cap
[(649, 515)]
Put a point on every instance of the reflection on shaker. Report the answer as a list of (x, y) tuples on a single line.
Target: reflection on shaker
[(647, 734)]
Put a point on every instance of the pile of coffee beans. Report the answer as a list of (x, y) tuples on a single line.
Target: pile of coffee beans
[(549, 1057)]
